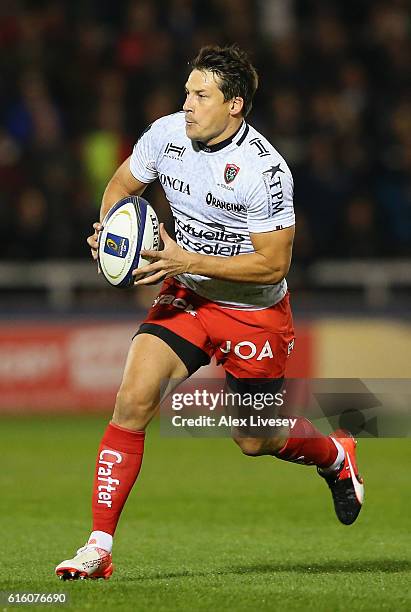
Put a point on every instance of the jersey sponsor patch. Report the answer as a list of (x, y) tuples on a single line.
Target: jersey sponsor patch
[(170, 299), (273, 171), (233, 207), (174, 183), (197, 237), (275, 194)]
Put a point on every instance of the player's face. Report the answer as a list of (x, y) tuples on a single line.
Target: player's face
[(208, 115)]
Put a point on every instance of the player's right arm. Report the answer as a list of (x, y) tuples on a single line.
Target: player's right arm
[(133, 176), (121, 185)]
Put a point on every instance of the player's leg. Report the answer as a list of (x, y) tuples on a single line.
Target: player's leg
[(260, 343), (303, 444), (150, 363), (334, 456), (166, 349), (121, 450), (254, 441)]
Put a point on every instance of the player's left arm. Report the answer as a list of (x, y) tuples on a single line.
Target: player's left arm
[(267, 265)]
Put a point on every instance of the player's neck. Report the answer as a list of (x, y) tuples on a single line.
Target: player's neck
[(230, 131)]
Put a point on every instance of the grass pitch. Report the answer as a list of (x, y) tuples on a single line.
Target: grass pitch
[(205, 528)]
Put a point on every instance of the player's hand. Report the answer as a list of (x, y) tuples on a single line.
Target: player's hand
[(172, 260), (92, 241)]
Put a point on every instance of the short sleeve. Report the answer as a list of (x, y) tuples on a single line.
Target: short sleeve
[(143, 159), (269, 199)]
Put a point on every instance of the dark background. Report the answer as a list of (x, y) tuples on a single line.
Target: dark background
[(80, 80)]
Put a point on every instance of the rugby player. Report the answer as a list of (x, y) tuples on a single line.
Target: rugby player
[(231, 195)]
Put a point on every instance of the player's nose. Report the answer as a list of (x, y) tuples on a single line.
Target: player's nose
[(187, 106)]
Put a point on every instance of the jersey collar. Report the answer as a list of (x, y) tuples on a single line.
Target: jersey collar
[(238, 137)]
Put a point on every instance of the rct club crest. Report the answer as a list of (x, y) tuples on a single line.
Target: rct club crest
[(230, 172)]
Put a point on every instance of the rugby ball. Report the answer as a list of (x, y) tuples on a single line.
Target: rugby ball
[(129, 226)]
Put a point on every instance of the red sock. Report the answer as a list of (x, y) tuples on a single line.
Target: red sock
[(118, 464), (308, 446)]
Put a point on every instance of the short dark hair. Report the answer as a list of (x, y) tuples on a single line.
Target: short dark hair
[(238, 77)]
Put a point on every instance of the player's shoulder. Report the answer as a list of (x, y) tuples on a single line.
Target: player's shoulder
[(165, 126), (260, 154)]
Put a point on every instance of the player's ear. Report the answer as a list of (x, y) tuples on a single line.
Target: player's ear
[(236, 106)]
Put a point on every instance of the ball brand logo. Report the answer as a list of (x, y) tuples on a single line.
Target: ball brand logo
[(105, 468), (156, 231), (248, 350), (230, 172), (111, 244), (116, 245)]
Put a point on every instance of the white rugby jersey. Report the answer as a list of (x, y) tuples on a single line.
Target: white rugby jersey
[(218, 194)]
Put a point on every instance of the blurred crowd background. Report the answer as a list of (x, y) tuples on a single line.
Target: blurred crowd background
[(81, 79)]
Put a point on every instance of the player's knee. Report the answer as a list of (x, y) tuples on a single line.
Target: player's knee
[(252, 447), (134, 408), (276, 444), (255, 447)]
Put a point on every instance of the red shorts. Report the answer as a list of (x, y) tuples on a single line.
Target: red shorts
[(247, 343)]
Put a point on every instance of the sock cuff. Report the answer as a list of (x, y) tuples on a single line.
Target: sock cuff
[(337, 461), (124, 440), (101, 539)]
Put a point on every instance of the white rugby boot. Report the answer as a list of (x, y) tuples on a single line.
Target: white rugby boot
[(89, 562)]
